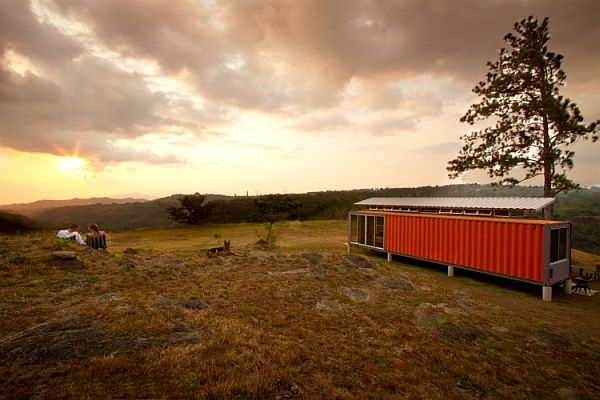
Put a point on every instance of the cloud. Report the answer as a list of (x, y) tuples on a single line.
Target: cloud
[(375, 67), (88, 105), (278, 55), (67, 97), (42, 42)]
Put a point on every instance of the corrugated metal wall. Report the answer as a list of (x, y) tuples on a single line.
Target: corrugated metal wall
[(499, 247)]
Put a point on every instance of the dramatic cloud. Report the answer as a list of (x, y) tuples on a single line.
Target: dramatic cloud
[(186, 74)]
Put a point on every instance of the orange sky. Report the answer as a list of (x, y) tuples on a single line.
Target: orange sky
[(160, 97)]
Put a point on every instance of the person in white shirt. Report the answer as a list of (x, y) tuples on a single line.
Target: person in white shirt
[(71, 232)]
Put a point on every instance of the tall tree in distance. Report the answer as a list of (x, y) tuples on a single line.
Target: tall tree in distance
[(191, 209), (273, 208), (534, 124)]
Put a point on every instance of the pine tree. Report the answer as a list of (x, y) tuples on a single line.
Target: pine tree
[(534, 124)]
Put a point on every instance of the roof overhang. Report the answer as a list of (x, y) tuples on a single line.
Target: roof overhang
[(488, 203)]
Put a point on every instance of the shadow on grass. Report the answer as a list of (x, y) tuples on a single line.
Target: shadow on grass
[(465, 276)]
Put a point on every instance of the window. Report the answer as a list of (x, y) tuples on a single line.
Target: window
[(367, 229), (379, 232), (370, 230), (361, 229), (558, 244)]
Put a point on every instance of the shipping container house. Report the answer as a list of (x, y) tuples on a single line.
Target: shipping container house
[(490, 235)]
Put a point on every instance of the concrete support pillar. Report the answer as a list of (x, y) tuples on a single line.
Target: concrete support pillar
[(450, 270), (547, 293), (567, 286), (389, 257)]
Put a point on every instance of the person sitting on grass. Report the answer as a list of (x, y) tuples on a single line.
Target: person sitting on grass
[(95, 238), (71, 233), (94, 231)]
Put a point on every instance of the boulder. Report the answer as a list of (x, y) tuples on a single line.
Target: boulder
[(65, 255)]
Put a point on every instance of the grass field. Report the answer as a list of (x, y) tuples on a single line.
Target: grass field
[(154, 317)]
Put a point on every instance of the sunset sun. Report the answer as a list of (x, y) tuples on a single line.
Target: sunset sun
[(71, 164)]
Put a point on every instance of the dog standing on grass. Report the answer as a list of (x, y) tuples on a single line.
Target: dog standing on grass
[(219, 251)]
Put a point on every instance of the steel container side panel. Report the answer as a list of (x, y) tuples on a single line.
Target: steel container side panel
[(517, 264), (491, 246), (431, 232), (539, 251), (502, 248), (512, 268), (477, 236), (488, 246), (455, 244), (389, 233)]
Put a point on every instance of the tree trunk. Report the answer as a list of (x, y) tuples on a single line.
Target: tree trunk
[(269, 233), (548, 168), (548, 212)]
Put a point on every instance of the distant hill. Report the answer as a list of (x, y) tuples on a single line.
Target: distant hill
[(115, 216), (14, 223), (582, 207), (29, 209)]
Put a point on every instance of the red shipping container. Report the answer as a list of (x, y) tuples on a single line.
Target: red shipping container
[(532, 250)]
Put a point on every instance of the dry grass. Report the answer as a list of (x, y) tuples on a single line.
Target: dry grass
[(301, 321)]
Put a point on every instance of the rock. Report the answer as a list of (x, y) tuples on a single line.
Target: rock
[(313, 259), (354, 260), (460, 332), (108, 297), (50, 344), (290, 272), (395, 283), (65, 255), (551, 338), (369, 272), (193, 304), (329, 305), (356, 294), (130, 250)]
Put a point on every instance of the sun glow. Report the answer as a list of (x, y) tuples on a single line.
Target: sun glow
[(71, 164)]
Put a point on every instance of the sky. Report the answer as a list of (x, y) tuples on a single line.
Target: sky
[(149, 98)]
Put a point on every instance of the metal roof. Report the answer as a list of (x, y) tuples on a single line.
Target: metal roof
[(493, 203)]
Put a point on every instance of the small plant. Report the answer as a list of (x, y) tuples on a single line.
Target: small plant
[(124, 262), (489, 348), (442, 319), (219, 238), (60, 244)]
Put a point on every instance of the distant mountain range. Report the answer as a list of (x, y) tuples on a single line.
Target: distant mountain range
[(15, 223), (581, 207), (109, 213), (29, 209)]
